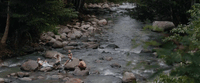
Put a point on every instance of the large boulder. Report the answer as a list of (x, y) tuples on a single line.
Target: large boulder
[(46, 69), (163, 25), (22, 74), (74, 80), (71, 35), (85, 26), (77, 33), (63, 29), (65, 43), (106, 6), (57, 37), (102, 22), (56, 77), (58, 44), (49, 33), (115, 65), (45, 37), (129, 78), (25, 79), (50, 54), (29, 65), (2, 80), (71, 65), (78, 72), (69, 47)]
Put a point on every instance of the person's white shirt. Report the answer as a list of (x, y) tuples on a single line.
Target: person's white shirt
[(40, 62), (45, 64), (58, 59)]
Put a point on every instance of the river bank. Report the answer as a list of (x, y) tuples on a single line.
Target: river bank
[(115, 53)]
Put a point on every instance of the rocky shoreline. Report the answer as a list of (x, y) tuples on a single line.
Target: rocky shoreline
[(66, 39)]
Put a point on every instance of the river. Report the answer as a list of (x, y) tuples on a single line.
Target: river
[(122, 31)]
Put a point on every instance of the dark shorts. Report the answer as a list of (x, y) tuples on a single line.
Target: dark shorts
[(82, 68), (56, 64)]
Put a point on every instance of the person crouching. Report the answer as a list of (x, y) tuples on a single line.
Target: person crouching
[(58, 59), (82, 64)]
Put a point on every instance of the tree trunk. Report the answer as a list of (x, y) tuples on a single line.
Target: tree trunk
[(5, 35)]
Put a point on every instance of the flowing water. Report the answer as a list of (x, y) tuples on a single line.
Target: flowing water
[(124, 32)]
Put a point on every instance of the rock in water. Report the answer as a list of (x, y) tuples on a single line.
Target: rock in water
[(29, 65), (26, 79), (102, 22), (115, 65), (78, 72), (163, 25), (74, 80), (56, 77), (2, 80), (58, 44), (71, 65), (50, 54), (129, 78)]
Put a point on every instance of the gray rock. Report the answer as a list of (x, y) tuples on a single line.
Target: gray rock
[(63, 29), (105, 6), (65, 43), (57, 37), (45, 37), (66, 79), (102, 22), (108, 58), (78, 72), (13, 74), (40, 77), (73, 44), (52, 40), (77, 33), (71, 35), (113, 46), (71, 65), (2, 80), (25, 79), (163, 25), (115, 65), (50, 54), (85, 26), (49, 33), (69, 48), (63, 36), (20, 74), (58, 44), (92, 45), (56, 77), (129, 78), (74, 80), (29, 65), (45, 69)]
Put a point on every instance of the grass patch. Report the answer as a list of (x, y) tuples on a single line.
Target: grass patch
[(153, 28), (129, 63)]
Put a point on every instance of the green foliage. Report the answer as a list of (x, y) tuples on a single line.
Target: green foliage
[(151, 43), (153, 28), (171, 10), (187, 58), (41, 14)]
